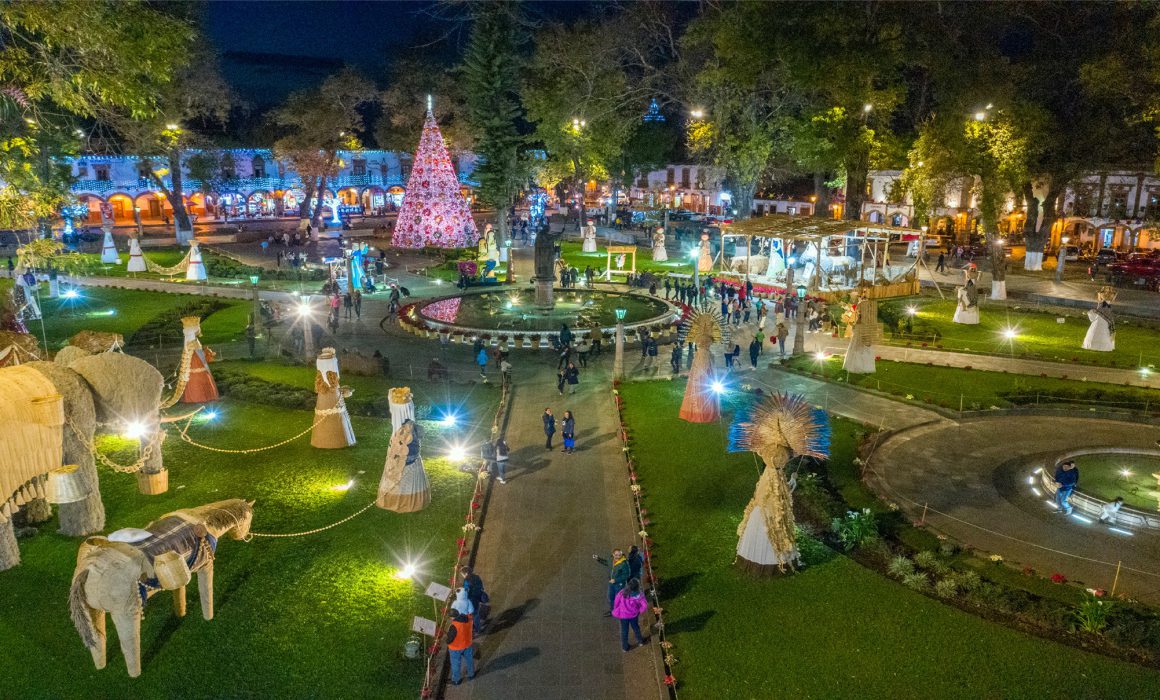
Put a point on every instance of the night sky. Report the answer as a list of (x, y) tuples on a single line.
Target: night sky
[(257, 39)]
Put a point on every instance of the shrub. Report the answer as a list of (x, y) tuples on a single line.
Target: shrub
[(900, 567), (968, 580), (855, 529), (166, 328), (1092, 614), (918, 581), (812, 502), (946, 588), (929, 560)]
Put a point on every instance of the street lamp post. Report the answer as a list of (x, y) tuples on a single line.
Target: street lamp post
[(799, 332), (618, 358), (257, 305), (1061, 258)]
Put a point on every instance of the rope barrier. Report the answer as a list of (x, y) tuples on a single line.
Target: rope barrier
[(185, 437), (316, 530)]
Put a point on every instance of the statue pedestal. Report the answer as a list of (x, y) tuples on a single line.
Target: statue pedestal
[(544, 298)]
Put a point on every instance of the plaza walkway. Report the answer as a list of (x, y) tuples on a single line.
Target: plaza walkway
[(549, 638)]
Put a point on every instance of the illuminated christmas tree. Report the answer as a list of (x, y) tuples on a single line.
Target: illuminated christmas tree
[(434, 211)]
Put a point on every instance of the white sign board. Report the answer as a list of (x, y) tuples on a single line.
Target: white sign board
[(438, 591), (423, 626)]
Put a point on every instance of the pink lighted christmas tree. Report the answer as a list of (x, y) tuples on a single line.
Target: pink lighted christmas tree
[(434, 212)]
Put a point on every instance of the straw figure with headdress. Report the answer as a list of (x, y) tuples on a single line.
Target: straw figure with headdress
[(49, 413), (119, 573), (967, 308), (861, 313), (403, 487), (332, 429), (195, 382), (1101, 334), (776, 428), (701, 404)]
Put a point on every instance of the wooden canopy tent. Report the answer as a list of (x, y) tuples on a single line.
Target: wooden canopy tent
[(872, 269)]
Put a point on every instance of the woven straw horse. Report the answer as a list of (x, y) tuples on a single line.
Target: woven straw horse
[(117, 577), (776, 428)]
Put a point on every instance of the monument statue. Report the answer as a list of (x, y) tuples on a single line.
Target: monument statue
[(545, 259)]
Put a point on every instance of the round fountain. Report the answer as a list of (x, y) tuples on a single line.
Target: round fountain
[(513, 318)]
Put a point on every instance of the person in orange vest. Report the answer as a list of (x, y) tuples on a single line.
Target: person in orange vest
[(459, 645)]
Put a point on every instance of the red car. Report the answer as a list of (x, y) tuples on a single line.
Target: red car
[(1138, 269)]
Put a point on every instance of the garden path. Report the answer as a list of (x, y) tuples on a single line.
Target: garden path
[(549, 638)]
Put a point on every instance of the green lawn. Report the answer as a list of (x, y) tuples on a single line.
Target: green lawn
[(834, 630), (969, 389), (1106, 476), (571, 253), (1036, 335), (126, 310), (318, 616)]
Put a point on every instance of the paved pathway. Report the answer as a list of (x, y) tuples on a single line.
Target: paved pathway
[(973, 476), (549, 638)]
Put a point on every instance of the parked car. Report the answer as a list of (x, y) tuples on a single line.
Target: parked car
[(1142, 269), (1107, 256)]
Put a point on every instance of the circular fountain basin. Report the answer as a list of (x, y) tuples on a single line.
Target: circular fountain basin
[(509, 315), (1108, 472)]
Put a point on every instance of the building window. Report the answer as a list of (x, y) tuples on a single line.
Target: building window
[(1152, 210), (358, 166), (671, 177), (259, 166), (101, 173), (1083, 203), (82, 171), (1118, 208), (143, 171), (684, 177)]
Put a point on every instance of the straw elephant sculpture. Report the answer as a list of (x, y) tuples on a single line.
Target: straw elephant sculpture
[(119, 573), (90, 390)]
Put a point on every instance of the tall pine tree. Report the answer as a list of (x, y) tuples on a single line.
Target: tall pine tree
[(491, 72)]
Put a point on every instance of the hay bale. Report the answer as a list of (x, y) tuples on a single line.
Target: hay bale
[(23, 344), (97, 341), (69, 354)]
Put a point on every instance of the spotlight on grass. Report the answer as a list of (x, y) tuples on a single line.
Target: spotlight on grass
[(819, 356), (449, 419), (911, 311), (1125, 473), (209, 416), (70, 294), (1010, 333), (406, 571), (343, 487), (457, 453), (134, 430), (717, 387)]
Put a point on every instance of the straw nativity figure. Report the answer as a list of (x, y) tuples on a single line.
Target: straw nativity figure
[(776, 428), (701, 404)]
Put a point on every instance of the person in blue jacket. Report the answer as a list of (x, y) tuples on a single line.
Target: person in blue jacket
[(1066, 478)]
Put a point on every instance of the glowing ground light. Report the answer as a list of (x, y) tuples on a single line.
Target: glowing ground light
[(1082, 519), (1010, 333), (134, 430), (406, 572), (717, 387), (1121, 531), (1125, 473), (449, 420), (819, 355), (70, 294), (457, 453), (911, 311), (210, 415), (343, 487), (303, 309)]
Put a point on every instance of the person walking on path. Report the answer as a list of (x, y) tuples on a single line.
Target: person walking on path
[(652, 352), (782, 335), (459, 648), (505, 371), (502, 452), (754, 351), (560, 381), (549, 427), (635, 562), (668, 288), (627, 607), (675, 359), (481, 360), (1066, 478), (582, 350), (473, 584), (568, 432), (348, 304), (618, 577), (572, 376), (252, 339), (357, 298), (942, 262)]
